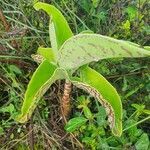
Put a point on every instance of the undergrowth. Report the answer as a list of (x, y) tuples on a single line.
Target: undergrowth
[(119, 19)]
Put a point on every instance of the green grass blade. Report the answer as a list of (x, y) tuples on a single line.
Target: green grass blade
[(85, 48), (59, 28), (95, 84)]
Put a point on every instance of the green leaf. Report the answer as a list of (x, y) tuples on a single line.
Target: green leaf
[(95, 84), (146, 111), (10, 109), (47, 53), (59, 28), (143, 142), (43, 77), (75, 123), (95, 3), (15, 69), (83, 101), (101, 116), (133, 132), (127, 25), (141, 109), (85, 48), (87, 112), (132, 12), (85, 5), (138, 107)]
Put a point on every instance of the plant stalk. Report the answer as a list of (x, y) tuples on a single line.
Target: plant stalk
[(65, 101)]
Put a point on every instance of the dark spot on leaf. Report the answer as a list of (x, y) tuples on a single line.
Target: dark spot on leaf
[(140, 54), (83, 48), (113, 52), (93, 45), (127, 51)]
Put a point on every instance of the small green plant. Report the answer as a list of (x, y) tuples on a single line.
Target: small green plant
[(71, 53), (89, 127)]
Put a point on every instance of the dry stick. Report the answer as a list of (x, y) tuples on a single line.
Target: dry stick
[(7, 28), (4, 21), (10, 131), (31, 135), (126, 74)]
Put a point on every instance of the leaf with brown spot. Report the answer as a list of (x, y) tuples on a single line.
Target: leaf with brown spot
[(96, 85), (94, 47), (42, 79)]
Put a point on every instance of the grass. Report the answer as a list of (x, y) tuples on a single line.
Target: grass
[(29, 30)]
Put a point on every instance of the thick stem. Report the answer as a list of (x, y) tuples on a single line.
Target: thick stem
[(65, 101)]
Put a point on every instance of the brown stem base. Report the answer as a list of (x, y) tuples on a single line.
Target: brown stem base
[(65, 101)]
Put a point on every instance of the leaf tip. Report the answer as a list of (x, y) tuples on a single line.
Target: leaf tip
[(37, 5), (117, 130), (21, 118)]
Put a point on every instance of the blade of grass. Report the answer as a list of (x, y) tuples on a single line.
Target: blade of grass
[(136, 123)]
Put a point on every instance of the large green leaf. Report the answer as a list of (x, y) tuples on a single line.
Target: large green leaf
[(85, 48), (43, 77), (58, 28), (95, 84)]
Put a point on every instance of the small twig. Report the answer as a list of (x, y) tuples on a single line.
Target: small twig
[(13, 145), (80, 144), (122, 75), (5, 80), (10, 131), (31, 135)]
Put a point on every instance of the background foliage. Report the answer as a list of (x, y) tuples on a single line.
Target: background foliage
[(122, 19)]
